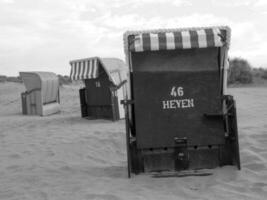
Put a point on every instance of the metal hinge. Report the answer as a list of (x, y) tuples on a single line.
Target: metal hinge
[(127, 102)]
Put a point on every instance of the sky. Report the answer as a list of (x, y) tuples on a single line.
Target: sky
[(44, 35)]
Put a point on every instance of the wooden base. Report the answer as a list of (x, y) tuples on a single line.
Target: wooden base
[(184, 157)]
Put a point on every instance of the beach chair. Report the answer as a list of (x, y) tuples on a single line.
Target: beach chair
[(178, 113), (104, 80), (42, 93)]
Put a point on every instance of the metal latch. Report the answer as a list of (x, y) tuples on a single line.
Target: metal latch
[(181, 153), (127, 102)]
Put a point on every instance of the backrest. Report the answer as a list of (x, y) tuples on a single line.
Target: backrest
[(98, 89), (50, 87), (176, 77)]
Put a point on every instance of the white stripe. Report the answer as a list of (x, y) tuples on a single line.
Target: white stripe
[(186, 40), (217, 38), (90, 69), (170, 41), (78, 67), (96, 72), (95, 69), (81, 71), (154, 42), (86, 69), (76, 70), (202, 39), (138, 43), (72, 71)]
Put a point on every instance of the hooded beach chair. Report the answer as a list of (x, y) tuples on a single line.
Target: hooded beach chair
[(178, 114), (104, 80), (42, 93)]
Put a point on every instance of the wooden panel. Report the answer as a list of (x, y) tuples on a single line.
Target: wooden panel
[(159, 162), (24, 103), (83, 102), (172, 91), (33, 103), (177, 60), (28, 104), (97, 90), (198, 159), (100, 112), (115, 106), (159, 116), (39, 105), (204, 158)]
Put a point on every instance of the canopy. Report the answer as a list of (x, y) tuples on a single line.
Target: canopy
[(88, 68), (170, 39)]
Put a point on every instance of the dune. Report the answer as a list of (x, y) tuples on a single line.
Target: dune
[(63, 156)]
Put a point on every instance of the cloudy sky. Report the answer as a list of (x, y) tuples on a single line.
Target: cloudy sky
[(43, 35)]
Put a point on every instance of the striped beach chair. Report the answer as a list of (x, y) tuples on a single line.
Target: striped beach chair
[(104, 80), (42, 93), (178, 113)]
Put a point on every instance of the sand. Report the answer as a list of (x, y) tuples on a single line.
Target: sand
[(66, 157)]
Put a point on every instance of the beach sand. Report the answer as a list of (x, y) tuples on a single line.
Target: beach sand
[(63, 156)]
